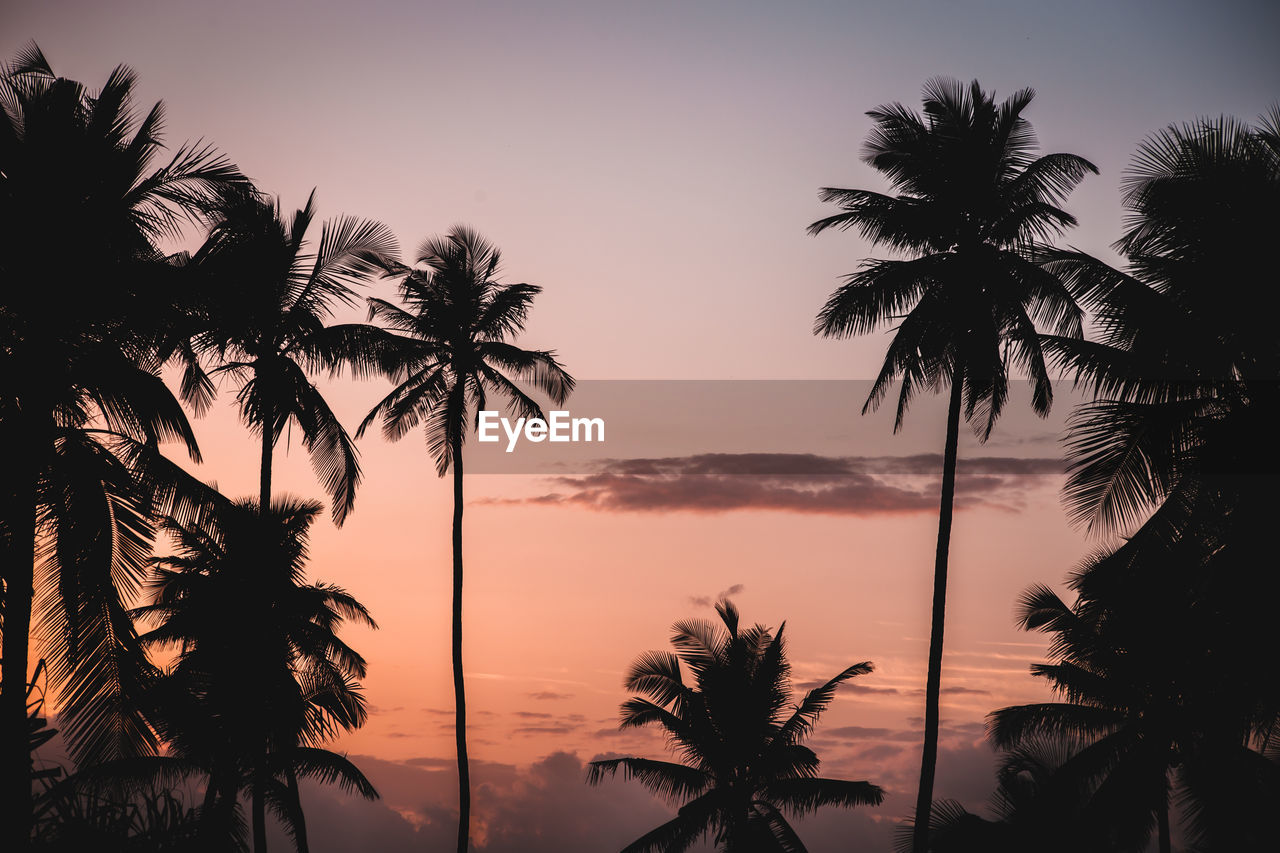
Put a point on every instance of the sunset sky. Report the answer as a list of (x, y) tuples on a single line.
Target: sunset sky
[(653, 166)]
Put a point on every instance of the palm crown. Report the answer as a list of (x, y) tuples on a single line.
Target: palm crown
[(450, 350), (971, 202), (1188, 381), (745, 763), (251, 699), (269, 331)]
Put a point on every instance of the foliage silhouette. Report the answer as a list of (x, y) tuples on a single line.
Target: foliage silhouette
[(745, 763), (449, 352), (1152, 708), (972, 204), (1034, 806), (1188, 381), (1178, 453), (250, 699), (81, 397), (268, 297)]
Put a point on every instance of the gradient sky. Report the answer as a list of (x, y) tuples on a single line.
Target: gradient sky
[(653, 166)]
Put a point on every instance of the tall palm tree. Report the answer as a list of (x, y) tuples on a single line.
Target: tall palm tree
[(451, 351), (1177, 453), (971, 204), (268, 297), (250, 699), (81, 403), (1152, 703), (745, 763)]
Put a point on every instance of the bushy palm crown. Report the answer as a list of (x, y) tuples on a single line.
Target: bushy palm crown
[(449, 345), (1185, 361), (81, 343), (745, 761), (261, 674), (1034, 807), (971, 201), (268, 296), (1151, 692)]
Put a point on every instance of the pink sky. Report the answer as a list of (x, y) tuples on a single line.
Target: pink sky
[(654, 168)]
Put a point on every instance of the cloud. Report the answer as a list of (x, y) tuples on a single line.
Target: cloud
[(791, 482), (548, 695), (708, 601)]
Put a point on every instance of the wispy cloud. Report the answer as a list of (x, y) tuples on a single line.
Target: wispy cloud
[(792, 482), (708, 601)]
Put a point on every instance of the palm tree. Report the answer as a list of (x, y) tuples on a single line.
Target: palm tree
[(1034, 808), (451, 351), (1178, 451), (1187, 378), (268, 298), (1154, 705), (745, 762), (972, 203), (81, 403), (249, 700)]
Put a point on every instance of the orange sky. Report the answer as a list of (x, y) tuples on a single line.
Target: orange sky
[(653, 166)]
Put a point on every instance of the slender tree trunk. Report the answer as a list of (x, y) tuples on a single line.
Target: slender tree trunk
[(459, 690), (299, 819), (19, 580), (259, 788), (933, 687), (264, 481)]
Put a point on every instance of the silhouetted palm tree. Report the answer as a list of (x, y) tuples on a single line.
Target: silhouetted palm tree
[(972, 203), (1187, 368), (81, 403), (268, 300), (745, 761), (1181, 445), (1034, 807), (250, 698), (1152, 705), (451, 350)]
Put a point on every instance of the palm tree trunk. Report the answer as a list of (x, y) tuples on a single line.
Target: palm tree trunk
[(933, 687), (19, 581), (264, 506), (299, 819), (264, 480), (459, 690)]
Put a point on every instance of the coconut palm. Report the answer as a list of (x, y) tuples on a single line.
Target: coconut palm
[(81, 403), (971, 204), (249, 700), (745, 764), (268, 297), (1034, 807), (1186, 371), (1157, 709), (451, 351)]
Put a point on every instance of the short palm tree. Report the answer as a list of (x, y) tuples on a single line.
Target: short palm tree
[(745, 764), (1154, 705), (1034, 807), (972, 204), (250, 699), (81, 402), (268, 297), (449, 346)]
